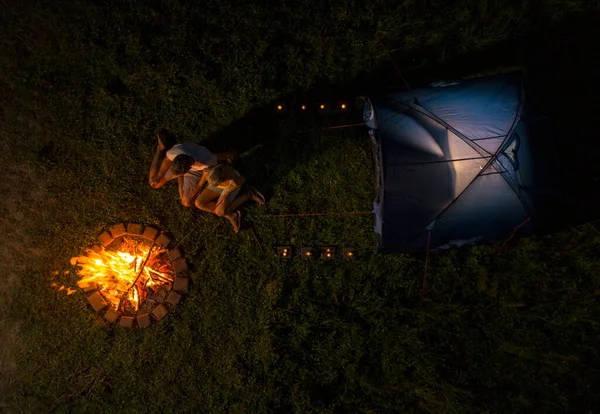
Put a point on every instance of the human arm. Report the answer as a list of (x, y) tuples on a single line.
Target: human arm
[(159, 179), (188, 198), (203, 178), (180, 185)]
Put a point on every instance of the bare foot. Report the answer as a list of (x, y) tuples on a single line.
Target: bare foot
[(257, 196), (161, 144), (235, 219)]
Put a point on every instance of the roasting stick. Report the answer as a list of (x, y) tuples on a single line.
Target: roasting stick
[(138, 275)]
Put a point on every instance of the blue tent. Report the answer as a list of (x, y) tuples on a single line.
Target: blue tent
[(456, 163)]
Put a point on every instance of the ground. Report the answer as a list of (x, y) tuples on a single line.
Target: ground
[(506, 327)]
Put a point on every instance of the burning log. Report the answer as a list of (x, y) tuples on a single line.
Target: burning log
[(142, 291), (137, 277), (159, 277), (132, 277)]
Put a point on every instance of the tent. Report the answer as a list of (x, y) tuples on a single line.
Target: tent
[(457, 163)]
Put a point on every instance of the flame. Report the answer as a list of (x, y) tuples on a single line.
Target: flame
[(115, 273)]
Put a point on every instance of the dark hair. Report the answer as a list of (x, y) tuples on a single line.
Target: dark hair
[(220, 173), (182, 164), (167, 137)]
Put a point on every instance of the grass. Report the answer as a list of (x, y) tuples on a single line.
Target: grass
[(503, 328)]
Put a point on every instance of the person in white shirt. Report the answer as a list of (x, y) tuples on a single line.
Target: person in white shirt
[(185, 162)]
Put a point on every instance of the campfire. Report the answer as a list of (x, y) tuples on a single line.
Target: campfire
[(134, 274), (128, 278)]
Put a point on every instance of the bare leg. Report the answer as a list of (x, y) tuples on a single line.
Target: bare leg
[(208, 207), (159, 154), (206, 200), (235, 219), (238, 201), (257, 196)]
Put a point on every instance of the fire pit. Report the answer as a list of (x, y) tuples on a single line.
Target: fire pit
[(134, 276)]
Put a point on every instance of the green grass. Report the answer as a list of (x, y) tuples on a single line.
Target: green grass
[(503, 328)]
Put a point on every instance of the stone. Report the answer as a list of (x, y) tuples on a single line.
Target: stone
[(117, 230), (89, 287), (112, 315), (127, 321), (144, 321), (181, 284), (175, 254), (163, 241), (150, 233), (105, 238), (97, 248), (174, 297), (180, 265), (160, 312), (97, 301), (135, 229)]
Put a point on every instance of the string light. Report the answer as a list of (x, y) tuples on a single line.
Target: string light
[(306, 253), (349, 253), (327, 253), (322, 107), (283, 252)]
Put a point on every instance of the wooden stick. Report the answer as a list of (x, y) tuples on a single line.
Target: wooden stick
[(138, 276), (258, 241)]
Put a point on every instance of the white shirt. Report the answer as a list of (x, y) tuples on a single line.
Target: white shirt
[(202, 156)]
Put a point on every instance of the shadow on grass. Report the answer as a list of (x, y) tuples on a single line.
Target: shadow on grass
[(270, 144), (559, 80)]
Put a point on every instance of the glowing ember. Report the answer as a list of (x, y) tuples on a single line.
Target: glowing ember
[(129, 277)]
